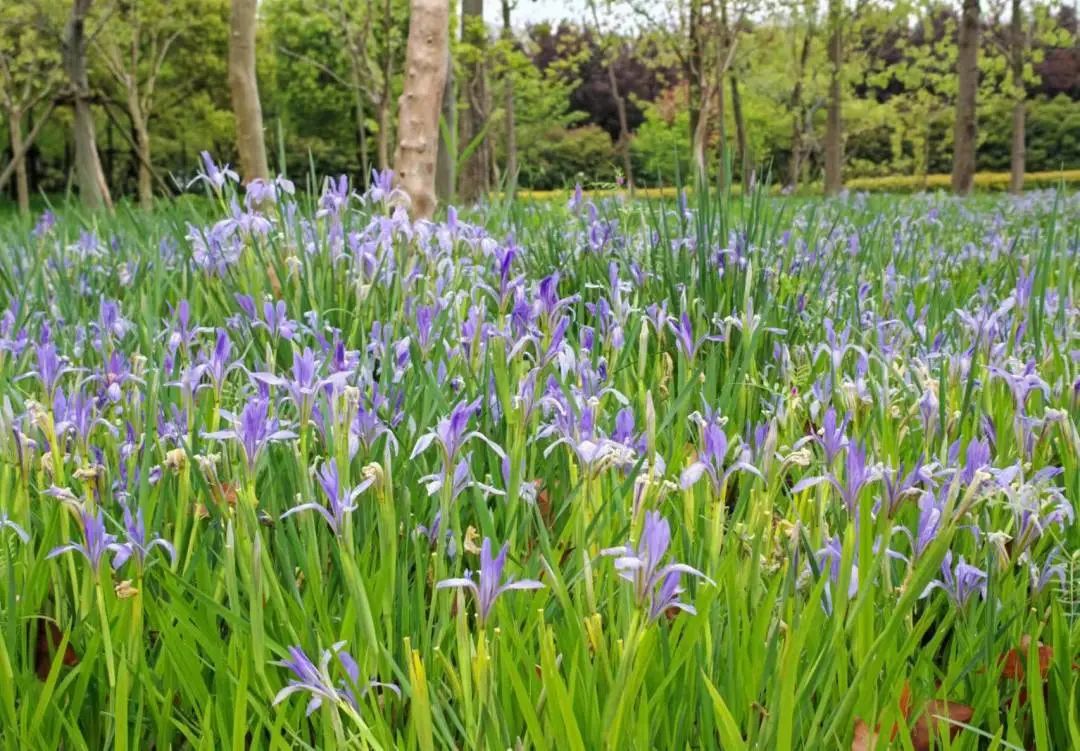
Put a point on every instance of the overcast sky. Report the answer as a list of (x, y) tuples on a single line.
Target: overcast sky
[(531, 11)]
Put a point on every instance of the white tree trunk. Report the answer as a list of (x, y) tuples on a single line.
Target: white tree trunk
[(421, 100)]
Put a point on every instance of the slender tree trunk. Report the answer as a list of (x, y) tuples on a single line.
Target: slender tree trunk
[(967, 70), (382, 140), (358, 105), (22, 187), (93, 190), (721, 127), (244, 88), (18, 155), (624, 128), (701, 136), (693, 68), (508, 105), (1017, 151), (446, 166), (797, 114), (834, 144), (142, 149), (418, 110), (740, 132), (476, 171)]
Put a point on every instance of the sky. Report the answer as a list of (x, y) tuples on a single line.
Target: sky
[(532, 11)]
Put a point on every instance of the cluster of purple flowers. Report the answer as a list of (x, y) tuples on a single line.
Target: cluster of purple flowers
[(511, 381)]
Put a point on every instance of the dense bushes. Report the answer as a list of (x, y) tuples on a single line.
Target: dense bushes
[(876, 154), (565, 156)]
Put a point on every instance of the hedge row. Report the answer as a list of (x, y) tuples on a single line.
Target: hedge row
[(989, 181), (984, 181)]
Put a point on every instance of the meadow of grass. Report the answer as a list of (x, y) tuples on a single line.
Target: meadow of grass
[(285, 470)]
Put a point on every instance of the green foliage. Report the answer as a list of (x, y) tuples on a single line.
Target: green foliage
[(786, 649), (561, 157)]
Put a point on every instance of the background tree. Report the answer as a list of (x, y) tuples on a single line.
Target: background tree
[(508, 50), (426, 58), (610, 52), (967, 83), (803, 31), (244, 87), (834, 137), (93, 189), (475, 176), (134, 46), (29, 75)]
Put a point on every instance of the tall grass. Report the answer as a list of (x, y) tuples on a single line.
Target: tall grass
[(915, 321)]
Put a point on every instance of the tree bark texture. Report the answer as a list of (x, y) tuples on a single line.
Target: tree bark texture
[(22, 187), (476, 171), (446, 166), (1017, 150), (418, 109), (967, 72), (93, 190), (834, 136), (244, 88), (745, 168), (798, 115), (508, 105)]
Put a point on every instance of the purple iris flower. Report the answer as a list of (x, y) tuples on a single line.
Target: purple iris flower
[(491, 581), (432, 534), (335, 196), (181, 332), (219, 363), (452, 433), (76, 415), (111, 321), (857, 475), (382, 190), (1037, 504), (213, 175), (241, 223), (832, 555), (712, 458), (548, 303), (899, 486), (959, 583), (19, 531), (1022, 384), (1052, 568), (305, 383), (96, 541), (317, 681), (276, 320), (573, 204), (45, 222), (50, 367), (215, 248), (189, 382), (366, 428), (977, 457), (341, 501), (114, 377), (137, 546), (253, 429), (247, 305), (655, 584), (684, 337), (832, 439), (931, 512), (836, 346)]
